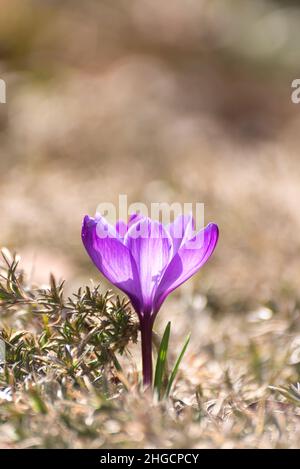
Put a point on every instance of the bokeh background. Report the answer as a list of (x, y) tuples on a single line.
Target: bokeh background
[(183, 101)]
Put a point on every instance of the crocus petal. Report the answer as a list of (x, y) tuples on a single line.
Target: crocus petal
[(103, 228), (186, 262), (151, 247), (121, 228), (181, 230), (134, 217), (112, 258)]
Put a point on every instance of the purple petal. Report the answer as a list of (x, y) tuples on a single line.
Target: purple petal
[(134, 218), (181, 230), (186, 262), (121, 228), (151, 248), (112, 258)]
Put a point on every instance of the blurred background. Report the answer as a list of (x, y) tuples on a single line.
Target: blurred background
[(185, 101)]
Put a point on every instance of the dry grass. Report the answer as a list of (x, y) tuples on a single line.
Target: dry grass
[(65, 384)]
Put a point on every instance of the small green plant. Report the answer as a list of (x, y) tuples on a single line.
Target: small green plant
[(163, 381), (73, 337)]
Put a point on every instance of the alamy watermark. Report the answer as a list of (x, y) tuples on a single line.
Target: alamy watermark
[(2, 352), (295, 96), (108, 217), (2, 91)]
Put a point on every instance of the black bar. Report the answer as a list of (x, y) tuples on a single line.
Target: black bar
[(136, 458)]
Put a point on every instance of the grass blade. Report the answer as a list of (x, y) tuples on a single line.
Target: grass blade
[(178, 361), (161, 359)]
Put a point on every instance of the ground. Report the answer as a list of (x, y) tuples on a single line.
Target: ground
[(72, 375)]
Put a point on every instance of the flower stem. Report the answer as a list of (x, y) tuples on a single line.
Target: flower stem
[(146, 324)]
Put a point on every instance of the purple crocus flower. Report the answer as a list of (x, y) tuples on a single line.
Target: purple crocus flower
[(147, 261)]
